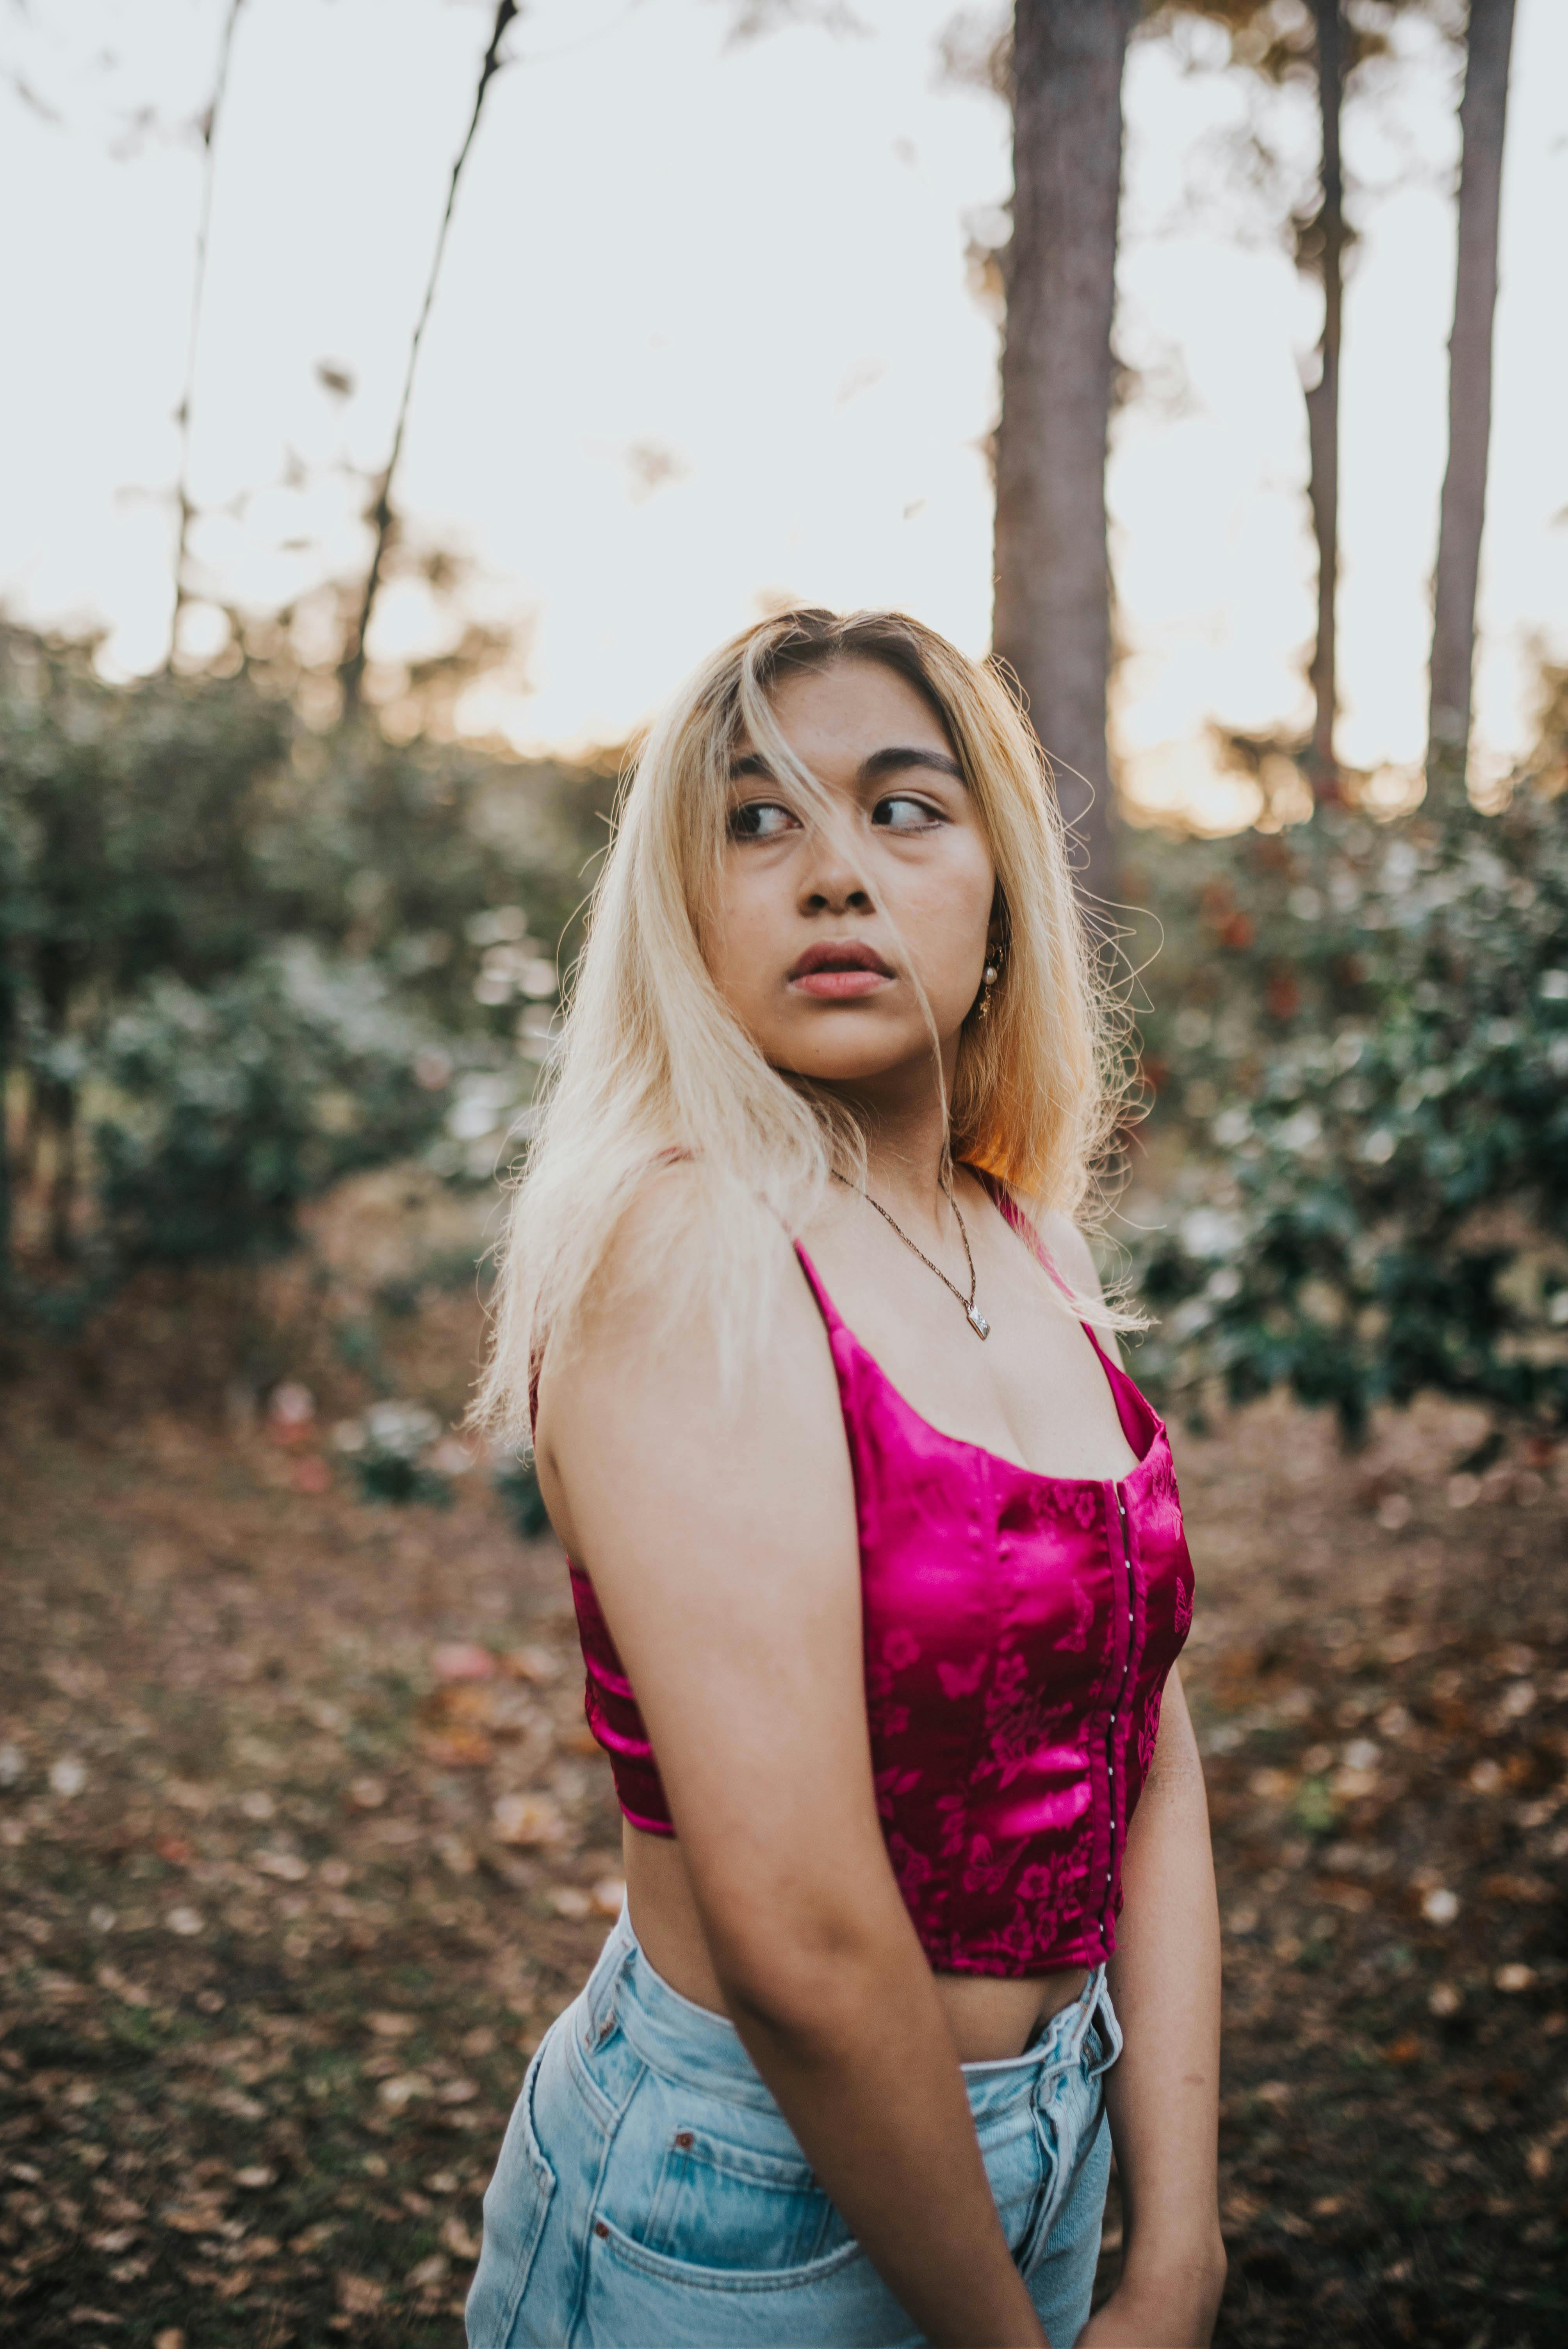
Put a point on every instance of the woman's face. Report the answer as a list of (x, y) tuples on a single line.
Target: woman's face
[(815, 950)]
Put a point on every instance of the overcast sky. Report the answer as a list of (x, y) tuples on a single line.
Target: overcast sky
[(706, 337)]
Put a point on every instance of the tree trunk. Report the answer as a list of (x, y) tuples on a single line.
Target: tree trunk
[(1482, 113), (1052, 621), (1323, 401)]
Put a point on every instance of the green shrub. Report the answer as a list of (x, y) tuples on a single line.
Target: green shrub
[(1361, 1054), (226, 1110)]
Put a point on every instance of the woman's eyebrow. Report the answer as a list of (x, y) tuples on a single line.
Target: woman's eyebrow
[(890, 762)]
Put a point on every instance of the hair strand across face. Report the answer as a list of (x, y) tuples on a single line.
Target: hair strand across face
[(652, 1063)]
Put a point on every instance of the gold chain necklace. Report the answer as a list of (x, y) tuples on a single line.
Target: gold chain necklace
[(972, 1313)]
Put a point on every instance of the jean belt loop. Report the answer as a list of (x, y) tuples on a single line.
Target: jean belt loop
[(1083, 2011), (1109, 2027), (604, 1982)]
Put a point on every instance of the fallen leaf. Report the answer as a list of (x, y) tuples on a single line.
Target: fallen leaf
[(428, 2273), (288, 1867), (461, 1660), (196, 2217), (458, 1749), (528, 1819), (387, 2024), (310, 2239), (1514, 1978), (357, 2296), (236, 2106), (531, 1663), (401, 2090), (457, 2240), (567, 1900)]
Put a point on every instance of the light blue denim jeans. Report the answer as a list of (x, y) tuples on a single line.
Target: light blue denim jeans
[(651, 2195)]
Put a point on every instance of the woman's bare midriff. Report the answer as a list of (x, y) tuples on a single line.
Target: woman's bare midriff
[(990, 2018)]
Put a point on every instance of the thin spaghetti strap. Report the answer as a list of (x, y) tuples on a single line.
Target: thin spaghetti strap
[(825, 1306), (1011, 1213)]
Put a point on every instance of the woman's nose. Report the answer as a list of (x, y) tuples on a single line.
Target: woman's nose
[(832, 884)]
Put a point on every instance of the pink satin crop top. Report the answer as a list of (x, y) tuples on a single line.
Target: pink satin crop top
[(1018, 1631)]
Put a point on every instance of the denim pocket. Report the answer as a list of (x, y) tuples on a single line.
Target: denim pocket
[(720, 2204), (636, 2295), (516, 2204)]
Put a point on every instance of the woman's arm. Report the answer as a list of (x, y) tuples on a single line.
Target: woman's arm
[(1164, 2095), (720, 1534)]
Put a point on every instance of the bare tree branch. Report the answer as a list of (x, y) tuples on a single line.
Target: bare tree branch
[(352, 670), (209, 144), (754, 19)]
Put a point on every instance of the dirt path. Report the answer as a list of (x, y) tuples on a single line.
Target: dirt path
[(287, 1893)]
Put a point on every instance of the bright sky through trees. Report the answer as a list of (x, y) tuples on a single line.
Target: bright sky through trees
[(705, 338)]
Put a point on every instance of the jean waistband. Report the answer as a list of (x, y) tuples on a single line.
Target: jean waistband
[(691, 2043)]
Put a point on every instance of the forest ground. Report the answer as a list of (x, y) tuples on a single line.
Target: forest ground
[(288, 1893)]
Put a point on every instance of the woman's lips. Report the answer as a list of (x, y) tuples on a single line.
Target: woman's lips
[(840, 970), (840, 986)]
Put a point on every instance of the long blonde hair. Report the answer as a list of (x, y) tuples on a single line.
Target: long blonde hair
[(651, 1062)]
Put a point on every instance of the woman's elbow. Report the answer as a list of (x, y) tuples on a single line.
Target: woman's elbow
[(808, 1985)]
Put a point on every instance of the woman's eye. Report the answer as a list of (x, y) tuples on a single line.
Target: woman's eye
[(898, 812), (759, 820)]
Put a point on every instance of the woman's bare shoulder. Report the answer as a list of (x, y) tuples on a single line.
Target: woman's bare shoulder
[(651, 1329)]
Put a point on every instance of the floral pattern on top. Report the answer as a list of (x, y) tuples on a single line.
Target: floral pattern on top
[(1016, 1654)]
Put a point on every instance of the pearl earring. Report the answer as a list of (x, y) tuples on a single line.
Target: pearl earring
[(992, 973)]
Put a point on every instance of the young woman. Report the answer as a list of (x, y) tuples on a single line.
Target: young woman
[(877, 1562)]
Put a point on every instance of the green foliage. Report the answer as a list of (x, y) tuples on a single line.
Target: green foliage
[(227, 1109), (1361, 1051), (519, 1488), (254, 957), (394, 1449)]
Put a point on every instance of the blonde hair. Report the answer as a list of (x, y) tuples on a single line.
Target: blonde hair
[(652, 1064)]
